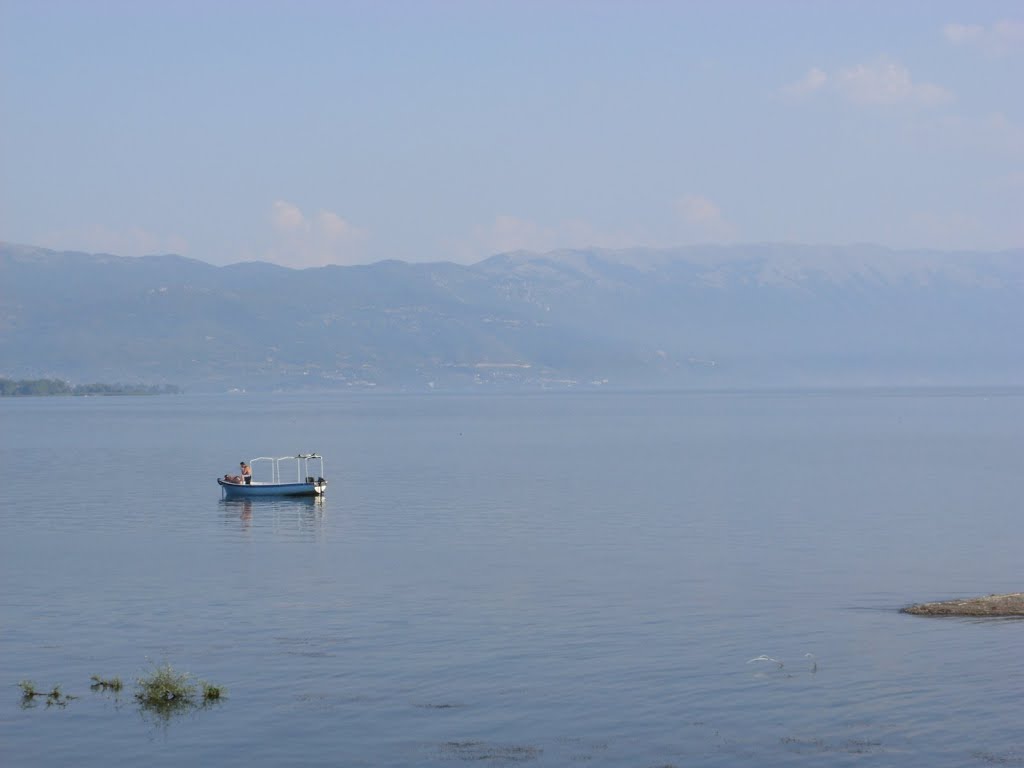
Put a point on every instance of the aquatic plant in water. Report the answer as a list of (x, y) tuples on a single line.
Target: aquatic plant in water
[(29, 693), (106, 684), (165, 688), (211, 692), (162, 693), (167, 691)]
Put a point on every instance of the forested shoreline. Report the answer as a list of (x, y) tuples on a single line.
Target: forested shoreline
[(59, 387)]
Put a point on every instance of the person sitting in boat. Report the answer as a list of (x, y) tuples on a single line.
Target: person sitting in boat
[(246, 473)]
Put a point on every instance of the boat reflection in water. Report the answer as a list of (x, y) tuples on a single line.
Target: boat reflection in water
[(278, 515)]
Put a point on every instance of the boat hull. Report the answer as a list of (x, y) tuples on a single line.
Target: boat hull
[(255, 490)]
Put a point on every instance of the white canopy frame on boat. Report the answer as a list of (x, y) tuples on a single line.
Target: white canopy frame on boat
[(301, 466)]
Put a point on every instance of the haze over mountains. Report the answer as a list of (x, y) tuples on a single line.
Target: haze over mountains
[(745, 315)]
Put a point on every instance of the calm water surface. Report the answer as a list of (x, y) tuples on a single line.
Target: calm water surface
[(545, 580)]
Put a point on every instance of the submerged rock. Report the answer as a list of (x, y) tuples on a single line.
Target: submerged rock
[(990, 605)]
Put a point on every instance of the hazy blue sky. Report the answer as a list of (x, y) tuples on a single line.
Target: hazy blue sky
[(343, 132)]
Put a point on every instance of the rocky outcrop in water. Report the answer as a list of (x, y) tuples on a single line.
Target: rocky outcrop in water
[(990, 605)]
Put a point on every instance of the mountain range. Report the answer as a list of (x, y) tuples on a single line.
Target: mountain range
[(707, 316)]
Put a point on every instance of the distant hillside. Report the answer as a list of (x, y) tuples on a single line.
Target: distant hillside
[(705, 316)]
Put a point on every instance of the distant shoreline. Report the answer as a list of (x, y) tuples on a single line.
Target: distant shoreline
[(61, 388)]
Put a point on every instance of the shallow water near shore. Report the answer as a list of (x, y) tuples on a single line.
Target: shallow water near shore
[(602, 579)]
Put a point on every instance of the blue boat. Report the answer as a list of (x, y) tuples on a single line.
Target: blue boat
[(305, 484)]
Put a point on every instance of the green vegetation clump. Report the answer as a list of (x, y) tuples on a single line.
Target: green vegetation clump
[(163, 693), (167, 691), (29, 693), (212, 692), (166, 688), (104, 684)]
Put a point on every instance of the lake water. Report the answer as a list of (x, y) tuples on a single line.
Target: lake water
[(548, 580)]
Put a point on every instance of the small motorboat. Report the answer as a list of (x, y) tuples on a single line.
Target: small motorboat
[(306, 484)]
